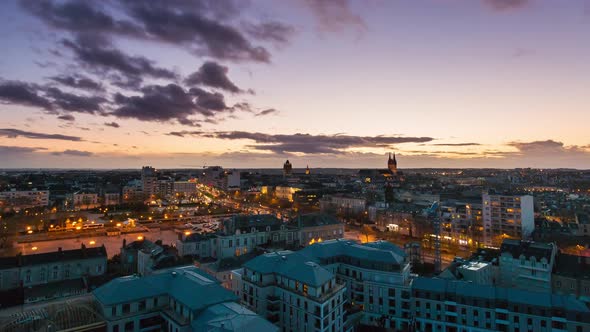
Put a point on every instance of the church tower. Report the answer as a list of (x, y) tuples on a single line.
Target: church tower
[(287, 168), (392, 164)]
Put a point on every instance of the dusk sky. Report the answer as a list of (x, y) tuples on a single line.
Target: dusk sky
[(330, 83)]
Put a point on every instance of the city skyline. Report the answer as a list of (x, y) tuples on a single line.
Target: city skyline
[(489, 83)]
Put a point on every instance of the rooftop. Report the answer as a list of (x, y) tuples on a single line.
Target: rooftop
[(527, 248), (379, 251), (516, 296), (188, 285), (50, 257), (315, 219), (293, 265)]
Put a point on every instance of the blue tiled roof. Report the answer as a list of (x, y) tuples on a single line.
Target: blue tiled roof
[(380, 251), (188, 285), (292, 265)]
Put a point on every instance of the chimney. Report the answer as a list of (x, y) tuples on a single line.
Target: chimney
[(59, 249)]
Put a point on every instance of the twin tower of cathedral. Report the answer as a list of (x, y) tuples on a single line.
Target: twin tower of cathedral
[(392, 164)]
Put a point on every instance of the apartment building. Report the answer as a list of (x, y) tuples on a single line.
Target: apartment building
[(23, 199), (526, 265), (444, 305), (507, 217), (176, 300), (376, 276), (292, 291), (241, 234), (44, 268)]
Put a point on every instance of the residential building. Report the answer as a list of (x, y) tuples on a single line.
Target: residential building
[(83, 200), (44, 268), (111, 198), (317, 227), (340, 203), (176, 300), (239, 235), (285, 192), (23, 199), (507, 216), (376, 276), (292, 291), (526, 265), (149, 181), (444, 305), (186, 188), (571, 276)]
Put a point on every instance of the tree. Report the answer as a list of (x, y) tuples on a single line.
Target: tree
[(368, 232)]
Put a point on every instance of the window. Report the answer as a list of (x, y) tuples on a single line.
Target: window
[(142, 305), (28, 276), (114, 311), (126, 308), (55, 270)]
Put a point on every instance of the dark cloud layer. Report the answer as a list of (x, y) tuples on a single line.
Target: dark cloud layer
[(98, 54), (78, 82), (213, 75), (456, 144), (67, 117), (112, 124), (334, 15), (13, 133), (75, 153), (74, 103), (16, 92), (201, 26), (504, 5), (305, 143)]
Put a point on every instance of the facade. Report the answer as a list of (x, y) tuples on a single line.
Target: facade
[(507, 216), (526, 265), (83, 200), (241, 234), (175, 300), (149, 181), (376, 276), (443, 305), (111, 198), (571, 276), (45, 268), (286, 193), (23, 199), (316, 227), (185, 187), (292, 291), (342, 204)]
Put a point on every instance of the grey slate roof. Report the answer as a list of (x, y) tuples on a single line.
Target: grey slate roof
[(50, 257), (380, 251), (292, 265), (231, 317), (527, 248), (486, 292), (188, 285)]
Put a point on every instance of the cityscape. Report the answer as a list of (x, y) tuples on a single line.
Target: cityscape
[(301, 165)]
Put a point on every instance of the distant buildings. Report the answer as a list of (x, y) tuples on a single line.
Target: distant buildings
[(287, 168), (23, 199), (40, 269), (507, 216), (242, 234), (82, 200), (216, 176), (149, 181), (341, 203), (180, 299)]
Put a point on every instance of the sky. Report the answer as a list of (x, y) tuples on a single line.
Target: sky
[(330, 83)]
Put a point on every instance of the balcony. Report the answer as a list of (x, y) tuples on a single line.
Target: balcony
[(274, 318), (273, 298), (273, 307), (173, 315)]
